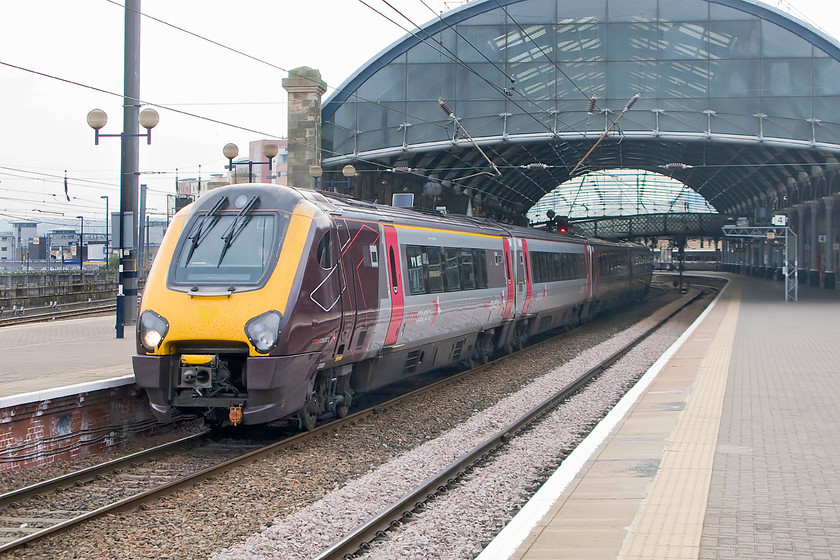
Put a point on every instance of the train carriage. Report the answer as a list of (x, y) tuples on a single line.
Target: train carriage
[(271, 303)]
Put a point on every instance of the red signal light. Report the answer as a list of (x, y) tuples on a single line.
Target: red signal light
[(562, 230)]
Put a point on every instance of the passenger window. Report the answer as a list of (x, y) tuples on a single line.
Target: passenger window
[(467, 269), (393, 262), (453, 277), (434, 274), (414, 257), (480, 263)]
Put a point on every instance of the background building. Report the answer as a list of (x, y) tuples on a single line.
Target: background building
[(7, 246), (24, 233), (256, 163)]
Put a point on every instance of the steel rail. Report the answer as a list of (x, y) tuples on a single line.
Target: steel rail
[(360, 535), (92, 471), (391, 516), (70, 314), (133, 502)]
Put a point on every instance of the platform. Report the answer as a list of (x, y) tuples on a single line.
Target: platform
[(729, 448), (46, 360)]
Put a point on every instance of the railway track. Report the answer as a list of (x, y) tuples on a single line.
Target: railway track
[(22, 524), (23, 518), (57, 315), (404, 509), (88, 493)]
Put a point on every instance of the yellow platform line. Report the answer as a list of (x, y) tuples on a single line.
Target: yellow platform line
[(669, 523)]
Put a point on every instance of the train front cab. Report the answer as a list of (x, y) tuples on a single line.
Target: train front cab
[(226, 336)]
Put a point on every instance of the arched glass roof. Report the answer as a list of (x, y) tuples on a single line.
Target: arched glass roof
[(743, 94), (619, 192)]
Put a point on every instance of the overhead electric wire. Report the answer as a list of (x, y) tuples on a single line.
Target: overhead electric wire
[(524, 32), (453, 57), (252, 57), (139, 101), (54, 176), (142, 102), (466, 40), (216, 121)]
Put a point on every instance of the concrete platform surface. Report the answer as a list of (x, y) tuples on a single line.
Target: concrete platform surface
[(45, 356), (730, 451)]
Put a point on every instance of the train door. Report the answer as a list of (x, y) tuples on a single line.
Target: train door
[(509, 279), (522, 294), (526, 271), (325, 275), (348, 295)]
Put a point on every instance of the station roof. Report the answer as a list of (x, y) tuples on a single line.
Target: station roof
[(507, 99)]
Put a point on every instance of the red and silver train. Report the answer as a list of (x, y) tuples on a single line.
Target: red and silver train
[(267, 303)]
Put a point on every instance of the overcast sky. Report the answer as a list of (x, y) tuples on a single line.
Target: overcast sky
[(43, 130)]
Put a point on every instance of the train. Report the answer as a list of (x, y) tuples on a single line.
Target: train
[(691, 259), (268, 304)]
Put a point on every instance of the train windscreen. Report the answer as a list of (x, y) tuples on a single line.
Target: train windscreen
[(231, 249)]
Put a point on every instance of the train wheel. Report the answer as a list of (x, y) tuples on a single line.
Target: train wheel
[(478, 359), (521, 339)]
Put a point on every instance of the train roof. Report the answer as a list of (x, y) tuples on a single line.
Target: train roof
[(429, 218), (336, 204)]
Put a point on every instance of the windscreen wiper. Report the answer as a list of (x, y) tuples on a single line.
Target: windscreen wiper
[(200, 232), (236, 227)]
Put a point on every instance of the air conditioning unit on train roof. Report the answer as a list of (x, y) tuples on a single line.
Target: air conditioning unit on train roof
[(402, 200)]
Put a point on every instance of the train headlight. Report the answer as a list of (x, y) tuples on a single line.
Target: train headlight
[(153, 329), (264, 330)]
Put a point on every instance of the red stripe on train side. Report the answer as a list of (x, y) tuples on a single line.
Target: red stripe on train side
[(509, 275), (528, 285), (394, 283)]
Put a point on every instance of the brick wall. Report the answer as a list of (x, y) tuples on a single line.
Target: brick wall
[(55, 430)]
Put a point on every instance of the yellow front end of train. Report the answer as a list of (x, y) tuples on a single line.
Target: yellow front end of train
[(210, 330)]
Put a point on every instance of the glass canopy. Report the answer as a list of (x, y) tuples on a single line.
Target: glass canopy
[(743, 94), (619, 192)]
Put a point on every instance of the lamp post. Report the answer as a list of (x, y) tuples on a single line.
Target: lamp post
[(231, 150), (173, 198), (129, 163), (107, 219), (315, 171), (81, 243), (97, 119)]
